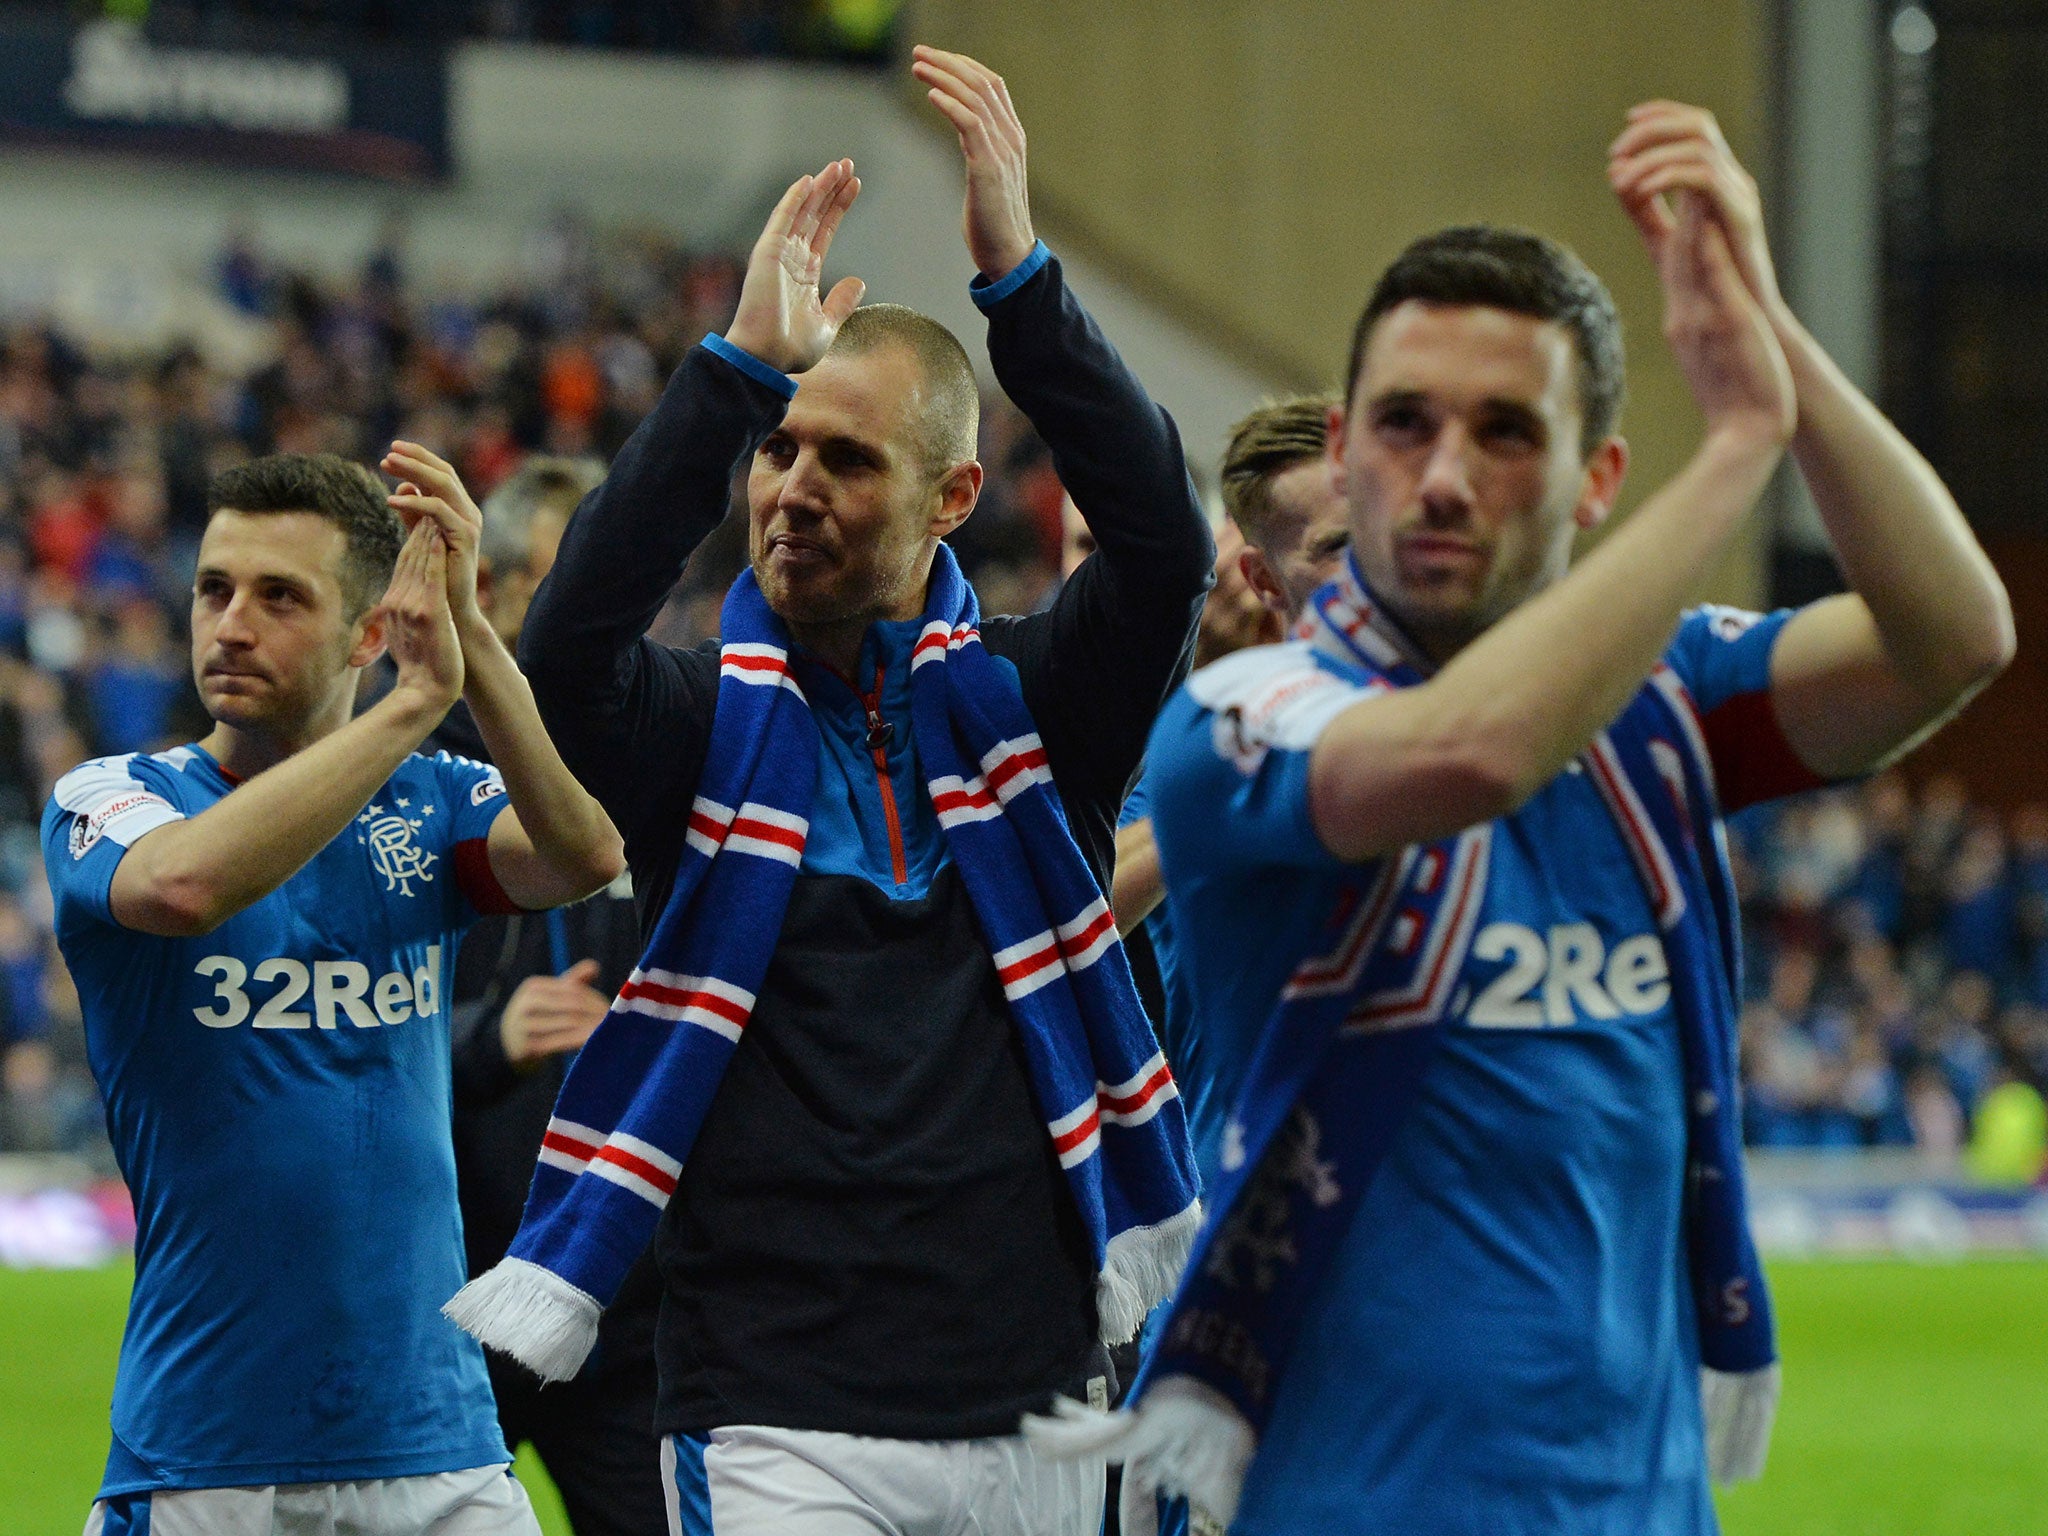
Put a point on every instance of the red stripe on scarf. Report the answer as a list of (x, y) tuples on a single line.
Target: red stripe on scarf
[(1080, 1133), (1079, 943), (678, 997), (1138, 1100), (768, 832), (619, 1158), (582, 1151)]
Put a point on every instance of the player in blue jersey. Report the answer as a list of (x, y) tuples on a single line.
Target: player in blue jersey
[(261, 926), (1467, 835), (1280, 498)]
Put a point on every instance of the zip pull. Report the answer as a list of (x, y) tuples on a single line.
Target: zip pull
[(880, 732)]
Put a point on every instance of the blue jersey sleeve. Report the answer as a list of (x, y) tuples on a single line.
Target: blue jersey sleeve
[(1228, 767), (1137, 804), (475, 795), (95, 815), (1723, 656)]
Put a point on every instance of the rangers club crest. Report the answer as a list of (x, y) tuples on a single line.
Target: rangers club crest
[(397, 856)]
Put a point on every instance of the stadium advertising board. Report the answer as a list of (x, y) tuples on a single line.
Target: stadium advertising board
[(109, 85)]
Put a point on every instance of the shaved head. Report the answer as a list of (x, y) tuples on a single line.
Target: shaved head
[(950, 421)]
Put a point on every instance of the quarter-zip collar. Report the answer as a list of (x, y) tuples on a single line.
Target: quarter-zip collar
[(870, 815)]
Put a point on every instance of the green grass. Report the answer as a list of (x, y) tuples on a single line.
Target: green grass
[(1916, 1402)]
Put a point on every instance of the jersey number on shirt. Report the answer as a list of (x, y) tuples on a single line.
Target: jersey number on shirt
[(1577, 978), (339, 987)]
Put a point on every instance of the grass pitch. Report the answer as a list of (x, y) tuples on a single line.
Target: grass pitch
[(1916, 1401)]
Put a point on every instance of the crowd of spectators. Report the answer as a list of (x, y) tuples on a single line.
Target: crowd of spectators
[(1898, 938), (104, 464), (1897, 966), (840, 31)]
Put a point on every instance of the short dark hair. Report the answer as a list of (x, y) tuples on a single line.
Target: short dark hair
[(1512, 269), (952, 397), (1265, 445), (345, 494), (542, 482)]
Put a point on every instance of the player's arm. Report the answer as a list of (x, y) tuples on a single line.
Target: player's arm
[(1858, 678), (1120, 629), (1138, 884), (191, 875), (555, 843), (623, 709), (1510, 710)]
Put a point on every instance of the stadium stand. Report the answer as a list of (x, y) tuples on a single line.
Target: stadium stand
[(842, 31)]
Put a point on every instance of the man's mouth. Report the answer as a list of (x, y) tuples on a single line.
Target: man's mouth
[(794, 549)]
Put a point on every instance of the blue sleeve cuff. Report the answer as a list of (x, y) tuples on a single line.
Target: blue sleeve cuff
[(752, 366), (985, 293)]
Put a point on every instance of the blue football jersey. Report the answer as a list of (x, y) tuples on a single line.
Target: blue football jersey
[(278, 1096), (1505, 1340)]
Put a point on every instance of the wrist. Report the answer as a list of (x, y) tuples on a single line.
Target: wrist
[(767, 349), (1000, 262), (1747, 443), (420, 702)]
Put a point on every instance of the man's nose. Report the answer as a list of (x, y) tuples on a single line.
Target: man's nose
[(234, 627), (803, 485), (1446, 487)]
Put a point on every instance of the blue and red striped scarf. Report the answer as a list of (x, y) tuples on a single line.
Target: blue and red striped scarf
[(632, 1103), (1342, 1059)]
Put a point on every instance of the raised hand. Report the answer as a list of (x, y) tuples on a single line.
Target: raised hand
[(1726, 347), (1669, 147), (430, 489), (419, 629), (781, 319), (973, 98)]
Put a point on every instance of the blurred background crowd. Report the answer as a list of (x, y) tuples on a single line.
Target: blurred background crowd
[(105, 458), (841, 31)]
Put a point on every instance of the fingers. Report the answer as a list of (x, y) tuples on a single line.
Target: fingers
[(784, 215), (1705, 170), (823, 191), (412, 506), (429, 472), (971, 96), (1653, 220), (843, 300), (434, 566), (1657, 122), (956, 102), (828, 220), (583, 972), (965, 120)]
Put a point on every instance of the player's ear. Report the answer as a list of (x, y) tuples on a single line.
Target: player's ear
[(1258, 575), (959, 490), (369, 637), (1604, 473), (1334, 446)]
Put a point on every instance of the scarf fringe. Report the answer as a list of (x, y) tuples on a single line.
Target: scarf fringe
[(1140, 1269), (1185, 1439), (1739, 1407), (530, 1313)]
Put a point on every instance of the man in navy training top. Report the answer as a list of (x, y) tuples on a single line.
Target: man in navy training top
[(261, 925), (1504, 1340), (870, 1268)]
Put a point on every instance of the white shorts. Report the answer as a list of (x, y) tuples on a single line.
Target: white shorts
[(754, 1481), (482, 1501)]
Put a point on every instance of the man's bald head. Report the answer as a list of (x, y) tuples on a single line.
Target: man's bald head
[(950, 421)]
